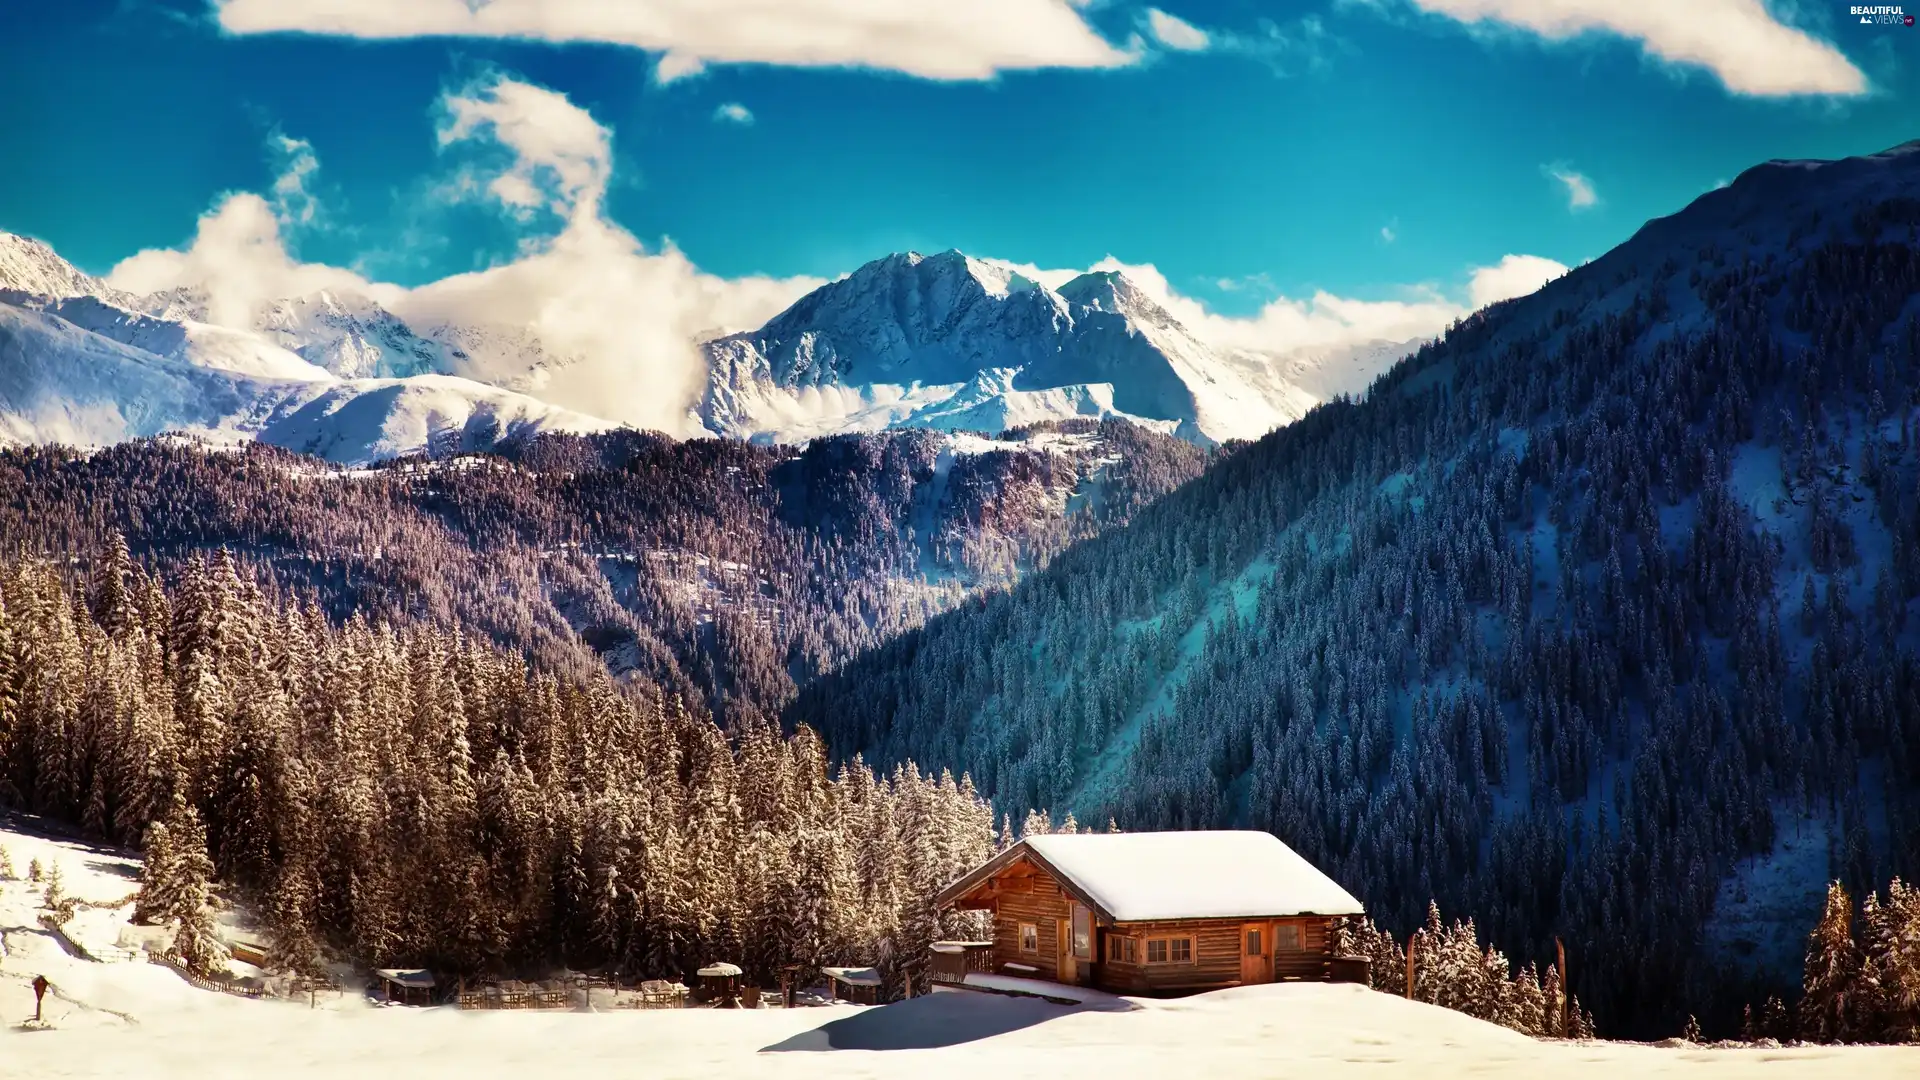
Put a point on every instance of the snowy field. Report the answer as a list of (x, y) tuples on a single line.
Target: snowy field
[(128, 1018)]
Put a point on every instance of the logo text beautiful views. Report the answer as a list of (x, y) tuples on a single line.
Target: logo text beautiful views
[(1881, 14)]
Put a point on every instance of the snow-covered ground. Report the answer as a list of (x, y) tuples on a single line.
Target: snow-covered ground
[(1271, 1031), (136, 1019)]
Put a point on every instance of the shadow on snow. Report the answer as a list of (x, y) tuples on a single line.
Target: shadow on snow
[(934, 1021)]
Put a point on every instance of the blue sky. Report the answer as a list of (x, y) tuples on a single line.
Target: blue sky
[(1250, 152)]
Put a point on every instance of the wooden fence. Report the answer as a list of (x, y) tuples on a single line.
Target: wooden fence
[(218, 986), (654, 994), (495, 998)]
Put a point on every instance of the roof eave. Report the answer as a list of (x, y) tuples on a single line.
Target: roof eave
[(954, 892)]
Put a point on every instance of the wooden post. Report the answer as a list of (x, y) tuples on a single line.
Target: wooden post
[(1409, 967), (39, 995), (1566, 995)]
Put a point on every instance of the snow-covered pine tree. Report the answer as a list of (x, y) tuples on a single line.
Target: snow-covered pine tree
[(187, 893), (1775, 1021), (1870, 1006), (158, 877), (1554, 1018), (1037, 823), (1529, 1003), (1832, 972), (1496, 996), (292, 945), (1579, 1021), (1891, 961), (55, 900), (114, 588)]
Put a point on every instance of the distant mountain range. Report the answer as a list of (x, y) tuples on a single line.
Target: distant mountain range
[(952, 342), (944, 342), (83, 363)]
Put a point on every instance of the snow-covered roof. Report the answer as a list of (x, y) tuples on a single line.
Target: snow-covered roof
[(407, 976), (1141, 877), (854, 976), (721, 969)]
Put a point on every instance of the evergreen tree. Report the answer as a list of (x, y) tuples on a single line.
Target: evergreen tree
[(1832, 971)]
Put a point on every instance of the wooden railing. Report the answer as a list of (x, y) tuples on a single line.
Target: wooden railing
[(952, 967), (216, 985), (515, 999)]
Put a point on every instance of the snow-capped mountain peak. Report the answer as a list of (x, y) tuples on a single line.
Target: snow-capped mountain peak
[(30, 266), (950, 326), (330, 373), (1110, 291), (350, 336)]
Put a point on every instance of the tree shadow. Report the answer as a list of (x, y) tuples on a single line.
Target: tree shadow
[(122, 870), (934, 1021)]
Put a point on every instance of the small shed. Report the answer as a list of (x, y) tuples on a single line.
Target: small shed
[(407, 986), (247, 948), (721, 983), (859, 985), (1157, 913)]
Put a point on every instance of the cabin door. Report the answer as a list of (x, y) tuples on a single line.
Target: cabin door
[(1067, 970), (1256, 953)]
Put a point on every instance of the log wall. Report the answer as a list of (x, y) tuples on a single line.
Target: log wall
[(1038, 900), (1216, 956)]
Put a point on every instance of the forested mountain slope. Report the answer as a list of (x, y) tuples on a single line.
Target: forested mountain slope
[(1584, 610), (415, 797), (724, 572)]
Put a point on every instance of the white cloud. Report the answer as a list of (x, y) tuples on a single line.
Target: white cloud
[(240, 259), (292, 202), (1176, 33), (1387, 235), (625, 316), (1580, 193), (976, 40), (1740, 41), (1325, 320), (562, 157), (675, 66), (733, 113), (1513, 275)]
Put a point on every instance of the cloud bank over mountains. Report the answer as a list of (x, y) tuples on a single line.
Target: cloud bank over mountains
[(624, 319)]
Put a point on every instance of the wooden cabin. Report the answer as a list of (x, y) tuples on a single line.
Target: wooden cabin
[(1158, 913), (407, 986)]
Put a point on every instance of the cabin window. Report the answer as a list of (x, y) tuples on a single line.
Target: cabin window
[(1286, 936), (1029, 938), (1082, 933), (1122, 950), (1176, 950), (1253, 941)]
